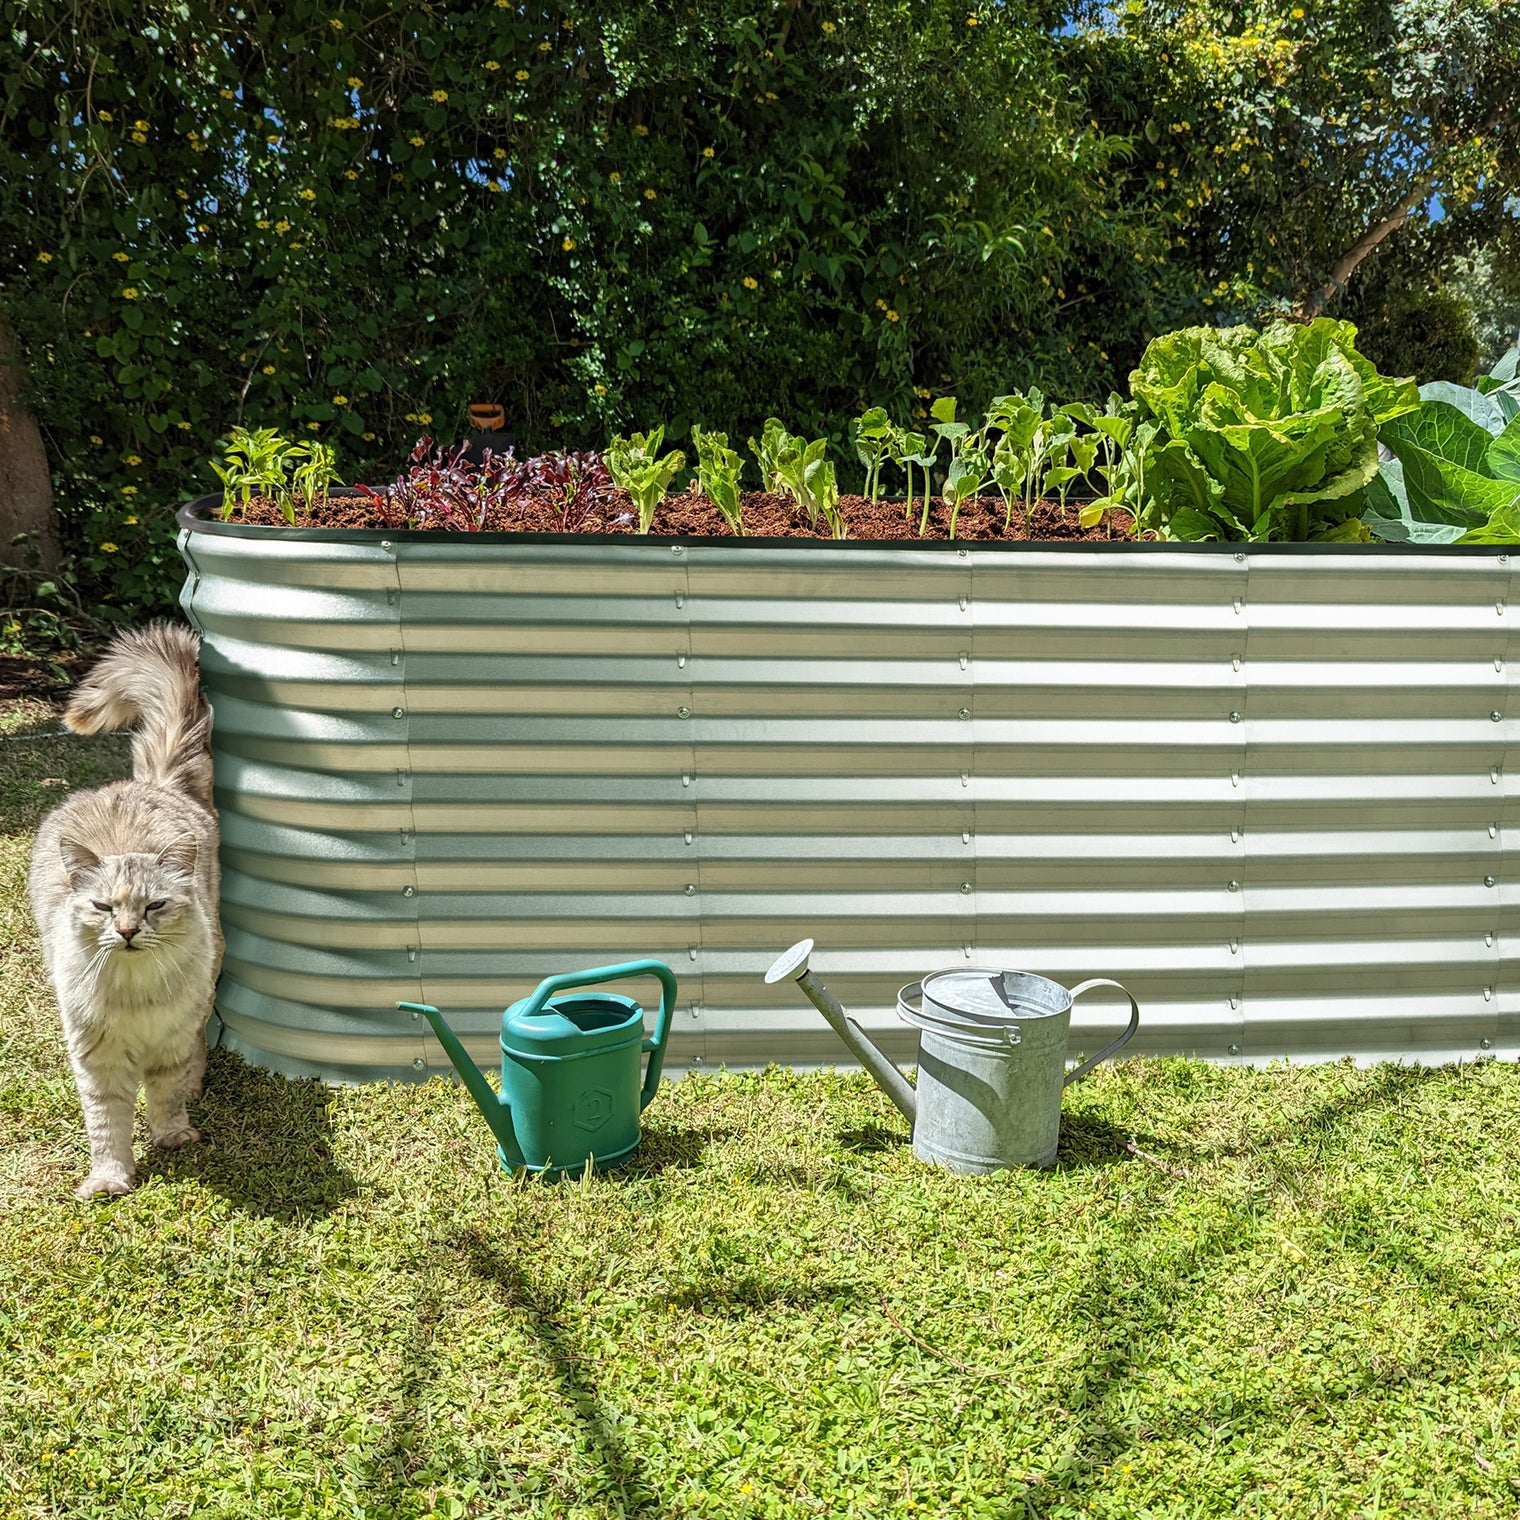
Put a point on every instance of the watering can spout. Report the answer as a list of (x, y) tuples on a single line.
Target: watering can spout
[(793, 966), (492, 1105)]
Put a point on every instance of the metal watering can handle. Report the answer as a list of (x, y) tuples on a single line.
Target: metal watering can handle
[(1124, 1039), (655, 1045)]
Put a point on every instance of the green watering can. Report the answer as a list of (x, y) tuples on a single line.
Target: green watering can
[(570, 1084)]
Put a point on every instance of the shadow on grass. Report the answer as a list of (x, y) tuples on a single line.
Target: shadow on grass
[(1088, 1141), (268, 1143), (869, 1139), (539, 1314), (673, 1147), (742, 1295)]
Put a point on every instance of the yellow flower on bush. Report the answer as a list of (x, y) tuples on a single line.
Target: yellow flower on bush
[(130, 293), (439, 96), (340, 400), (96, 438), (749, 282), (335, 24), (491, 65), (601, 390), (830, 28), (129, 490), (129, 522), (139, 137), (108, 548), (642, 130), (368, 437), (416, 142), (140, 126), (262, 224), (354, 82), (308, 194), (649, 194), (891, 315), (350, 174), (498, 152), (268, 369), (133, 459), (708, 152), (315, 427), (282, 227), (568, 245), (424, 418), (520, 75), (615, 178), (493, 187), (104, 115), (544, 47), (184, 427), (227, 94), (44, 258), (121, 258)]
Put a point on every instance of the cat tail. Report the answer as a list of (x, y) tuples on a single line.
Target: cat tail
[(149, 680)]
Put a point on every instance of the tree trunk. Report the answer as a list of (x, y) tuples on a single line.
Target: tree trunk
[(1343, 268), (26, 484)]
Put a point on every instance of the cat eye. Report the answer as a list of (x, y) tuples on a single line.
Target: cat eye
[(101, 907), (158, 903)]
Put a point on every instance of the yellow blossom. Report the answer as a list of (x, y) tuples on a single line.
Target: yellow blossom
[(269, 369), (642, 130), (439, 96), (108, 548), (262, 225), (104, 115), (491, 65), (129, 490), (416, 142), (296, 245), (350, 174), (568, 245), (140, 126), (544, 47), (134, 459), (121, 258), (830, 28), (498, 152), (615, 177), (308, 194), (368, 437), (601, 390), (282, 226), (44, 258), (891, 315), (971, 21), (1297, 13), (649, 194), (880, 304), (335, 24), (520, 75), (139, 137), (184, 195), (424, 417), (493, 187), (184, 427), (129, 522), (354, 82), (315, 427), (96, 438), (227, 94), (130, 293), (340, 400), (749, 282), (707, 152)]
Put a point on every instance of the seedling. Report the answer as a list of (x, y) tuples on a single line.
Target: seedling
[(637, 466), (256, 462), (873, 446), (718, 470), (314, 479), (792, 465)]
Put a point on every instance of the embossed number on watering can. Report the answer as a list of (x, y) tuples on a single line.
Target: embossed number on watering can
[(592, 1108)]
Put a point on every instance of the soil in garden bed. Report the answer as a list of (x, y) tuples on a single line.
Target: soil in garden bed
[(765, 516)]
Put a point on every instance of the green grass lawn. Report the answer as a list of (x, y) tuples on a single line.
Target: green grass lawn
[(1304, 1302)]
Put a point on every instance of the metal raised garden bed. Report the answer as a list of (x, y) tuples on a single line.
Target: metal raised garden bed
[(1266, 790)]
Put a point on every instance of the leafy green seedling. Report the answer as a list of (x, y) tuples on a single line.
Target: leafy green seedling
[(313, 480), (792, 465), (635, 464), (774, 441), (256, 461), (873, 446), (718, 470)]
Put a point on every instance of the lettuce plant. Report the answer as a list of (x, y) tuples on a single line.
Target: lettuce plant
[(637, 466), (792, 465), (718, 470), (1455, 471), (774, 442), (1266, 435)]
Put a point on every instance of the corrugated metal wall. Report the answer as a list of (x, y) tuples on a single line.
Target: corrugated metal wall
[(1264, 790)]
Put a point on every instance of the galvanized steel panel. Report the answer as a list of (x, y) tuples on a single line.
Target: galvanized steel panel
[(1264, 789)]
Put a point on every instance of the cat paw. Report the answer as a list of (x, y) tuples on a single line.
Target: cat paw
[(104, 1185), (172, 1139)]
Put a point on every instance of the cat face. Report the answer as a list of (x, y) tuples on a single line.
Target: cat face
[(130, 904)]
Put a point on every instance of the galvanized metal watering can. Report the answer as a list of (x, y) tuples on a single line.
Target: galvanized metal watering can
[(991, 1060), (571, 1088)]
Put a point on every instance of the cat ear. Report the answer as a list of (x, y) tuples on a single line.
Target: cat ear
[(180, 855), (77, 860)]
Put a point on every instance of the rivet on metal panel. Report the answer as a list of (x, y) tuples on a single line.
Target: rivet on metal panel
[(967, 949), (963, 553), (409, 890), (1495, 716), (1504, 559), (1493, 831), (1493, 774), (1234, 778), (965, 714), (1499, 608), (1498, 663), (965, 778), (1234, 947), (398, 712), (1488, 940), (965, 602), (1234, 1049), (691, 950), (400, 778), (678, 549), (963, 659), (683, 712), (1234, 717), (1237, 604), (965, 836), (680, 662), (1234, 836), (1485, 1043), (696, 1060), (1234, 886), (680, 600), (691, 889), (418, 1064), (1234, 662), (685, 778), (965, 886), (1240, 559), (395, 657), (1488, 994), (696, 1013), (688, 836), (1489, 881), (386, 544), (390, 596), (411, 952)]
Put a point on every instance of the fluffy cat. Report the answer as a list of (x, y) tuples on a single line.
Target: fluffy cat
[(124, 886)]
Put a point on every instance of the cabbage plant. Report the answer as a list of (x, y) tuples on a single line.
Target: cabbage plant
[(1265, 435)]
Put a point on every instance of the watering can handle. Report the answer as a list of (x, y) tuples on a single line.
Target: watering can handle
[(1124, 1039), (655, 1045)]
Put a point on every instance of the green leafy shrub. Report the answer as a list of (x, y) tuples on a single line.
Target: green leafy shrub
[(1265, 435), (719, 469), (800, 469), (636, 464)]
